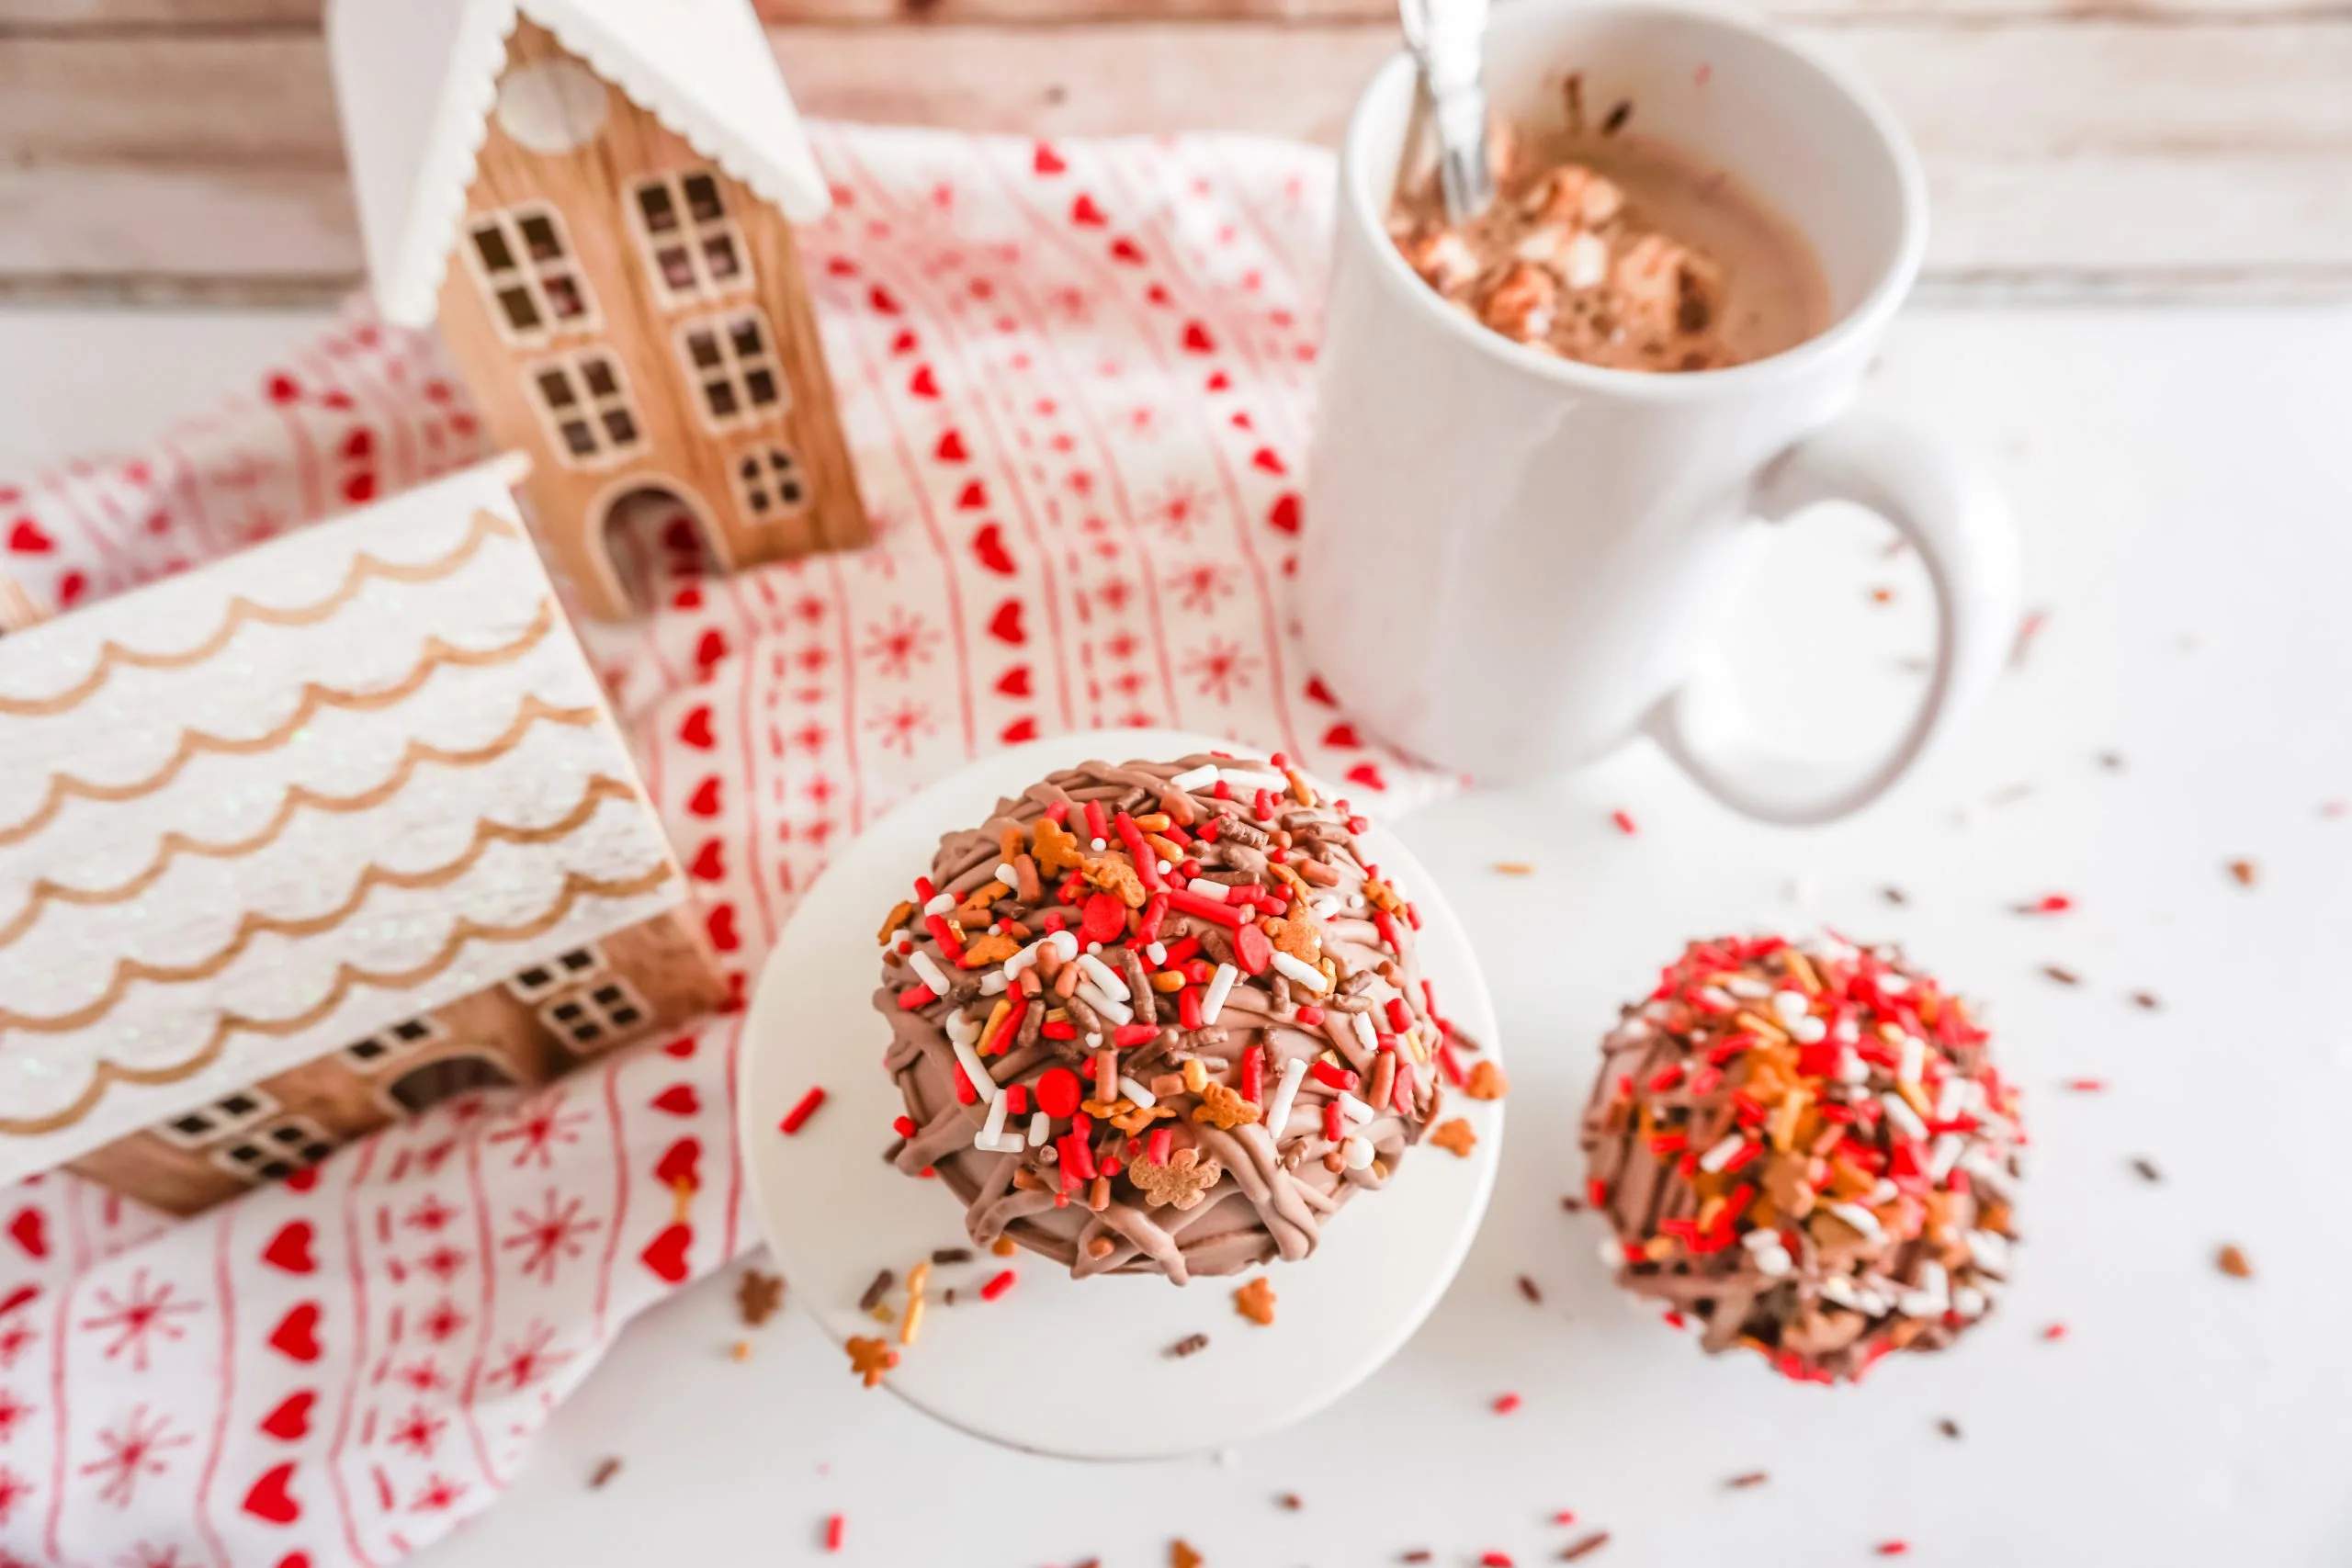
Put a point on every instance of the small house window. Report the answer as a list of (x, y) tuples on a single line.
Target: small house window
[(596, 1016), (230, 1114), (770, 484), (540, 981), (586, 401), (445, 1078), (693, 245), (368, 1054), (529, 274), (731, 360), (278, 1151)]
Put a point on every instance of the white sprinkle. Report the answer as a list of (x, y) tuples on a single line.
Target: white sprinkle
[(1103, 975), (1588, 261), (1947, 1154), (1286, 1091), (1613, 1252), (1808, 1031), (1366, 1035), (920, 962), (1301, 971), (973, 1069), (962, 1030), (1357, 1153), (1852, 1068), (1883, 1191), (1948, 1100), (1861, 1219), (1353, 1110), (1990, 1249), (993, 1128), (1213, 997), (940, 904), (1116, 1009), (1756, 1241), (1716, 996), (993, 982), (1969, 1302), (1204, 887), (1093, 947), (1846, 1031), (1899, 1111), (1006, 875), (1774, 1260), (1097, 845), (1195, 778), (1747, 988), (1911, 1060), (1094, 1041), (1840, 1290), (1156, 952), (1895, 984), (1136, 1092), (1791, 1006), (1165, 868), (1326, 906), (1041, 1129), (1239, 779), (1049, 1153), (1715, 1159)]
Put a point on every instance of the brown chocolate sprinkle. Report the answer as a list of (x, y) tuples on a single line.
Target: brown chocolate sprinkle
[(875, 1291), (1292, 1501), (758, 1296), (1419, 1554), (2231, 1260), (2147, 1170), (2064, 976), (1948, 1428), (2112, 760), (1895, 895), (1529, 1288), (741, 1349), (1191, 1344), (1752, 1478), (604, 1472), (1617, 118), (1572, 1205), (1882, 595), (2242, 870), (2146, 1000), (946, 1256), (1182, 1555), (1586, 1547), (1514, 868)]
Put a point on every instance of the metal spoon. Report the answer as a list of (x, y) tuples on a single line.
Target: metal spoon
[(1448, 41)]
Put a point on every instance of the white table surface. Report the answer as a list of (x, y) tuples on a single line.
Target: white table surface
[(2185, 481)]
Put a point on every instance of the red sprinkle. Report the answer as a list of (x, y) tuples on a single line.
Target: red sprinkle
[(1192, 903), (1894, 1548), (996, 1286), (1252, 949), (1494, 1560), (1624, 820), (1058, 1092), (915, 996), (1104, 919), (2056, 1331), (1016, 1099), (1154, 912), (903, 1125), (834, 1529), (1097, 830), (799, 1115), (1565, 1517), (1157, 1150), (1310, 1015), (1506, 1404), (2050, 904), (2087, 1086), (1332, 1076), (1253, 1076), (1188, 1007), (1400, 1017), (1128, 1035), (964, 1093), (1335, 1125), (944, 934)]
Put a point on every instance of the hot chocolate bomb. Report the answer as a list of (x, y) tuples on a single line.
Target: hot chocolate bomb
[(1809, 1151), (1159, 1018)]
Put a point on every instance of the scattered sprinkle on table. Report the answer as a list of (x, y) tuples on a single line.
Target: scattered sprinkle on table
[(1003, 1247), (1494, 1560), (883, 1281), (1255, 1301), (2048, 904), (2147, 1170), (1191, 1344), (2231, 1260), (1486, 1082), (2112, 760), (869, 1359), (741, 1350), (796, 1118), (1948, 1428), (2145, 999), (1565, 1517), (2062, 976), (1419, 1554), (2087, 1086), (604, 1472), (996, 1286), (1894, 1548), (1882, 595), (2056, 1331), (1586, 1547), (836, 1527), (947, 1256), (2242, 870), (1455, 1137), (1751, 1478), (758, 1296), (1514, 868), (1531, 1291), (1624, 820), (1182, 1555), (1570, 1203), (1895, 895), (1505, 1404), (1292, 1501)]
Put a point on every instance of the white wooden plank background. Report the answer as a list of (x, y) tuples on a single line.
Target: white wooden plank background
[(180, 148)]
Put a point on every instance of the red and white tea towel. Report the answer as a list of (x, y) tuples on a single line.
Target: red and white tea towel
[(1076, 378)]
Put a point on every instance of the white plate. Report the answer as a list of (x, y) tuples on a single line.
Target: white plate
[(1077, 1367)]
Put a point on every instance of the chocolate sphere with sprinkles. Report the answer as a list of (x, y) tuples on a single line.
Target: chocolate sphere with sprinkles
[(1807, 1151), (1159, 1018)]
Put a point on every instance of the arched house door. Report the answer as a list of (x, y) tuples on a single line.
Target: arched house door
[(655, 534)]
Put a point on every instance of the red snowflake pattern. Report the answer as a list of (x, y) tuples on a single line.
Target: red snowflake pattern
[(138, 1316), (529, 1359), (13, 1411), (418, 1431), (17, 1336), (441, 1322), (1221, 667), (444, 1263), (541, 1126), (437, 1496), (551, 1237), (13, 1489), (1179, 508), (899, 727), (429, 1215), (898, 645), (423, 1375), (143, 1556), (134, 1449)]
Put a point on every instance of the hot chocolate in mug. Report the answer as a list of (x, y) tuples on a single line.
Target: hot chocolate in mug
[(1513, 563)]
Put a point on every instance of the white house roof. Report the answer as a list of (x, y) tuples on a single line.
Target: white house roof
[(417, 81), (256, 813)]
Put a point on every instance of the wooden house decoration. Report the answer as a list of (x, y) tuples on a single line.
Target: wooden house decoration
[(598, 197), (316, 837), (17, 610)]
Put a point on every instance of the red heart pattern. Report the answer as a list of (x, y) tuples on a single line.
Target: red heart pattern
[(666, 1253), (271, 1499), (1019, 730), (705, 801), (290, 1422), (989, 546), (951, 448), (1128, 251), (1048, 161), (1005, 625), (695, 729), (290, 1248), (1015, 682), (710, 860), (1343, 735), (678, 1100), (682, 1166), (1198, 339), (30, 1230), (1284, 517), (297, 1334), (720, 923), (1084, 213), (922, 383), (28, 538)]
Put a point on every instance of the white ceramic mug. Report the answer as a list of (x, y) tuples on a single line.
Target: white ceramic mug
[(1513, 561)]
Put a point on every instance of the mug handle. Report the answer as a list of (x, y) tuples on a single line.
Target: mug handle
[(1948, 509)]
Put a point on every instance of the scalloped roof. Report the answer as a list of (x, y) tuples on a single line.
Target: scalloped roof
[(417, 80)]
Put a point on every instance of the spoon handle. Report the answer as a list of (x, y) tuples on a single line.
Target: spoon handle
[(1448, 41)]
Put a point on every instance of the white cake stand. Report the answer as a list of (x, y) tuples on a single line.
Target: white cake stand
[(1030, 1368)]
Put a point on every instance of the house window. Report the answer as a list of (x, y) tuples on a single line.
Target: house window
[(731, 360), (529, 271), (769, 482), (596, 1016), (585, 399), (695, 248), (275, 1152), (230, 1114), (368, 1054), (540, 981)]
